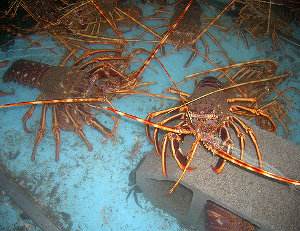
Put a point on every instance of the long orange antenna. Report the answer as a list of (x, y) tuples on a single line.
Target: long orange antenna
[(218, 152), (163, 40), (252, 168), (110, 22), (212, 22), (101, 99)]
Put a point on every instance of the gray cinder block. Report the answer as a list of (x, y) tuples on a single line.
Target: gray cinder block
[(265, 203)]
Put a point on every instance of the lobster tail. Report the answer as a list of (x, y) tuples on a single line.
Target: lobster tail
[(26, 72)]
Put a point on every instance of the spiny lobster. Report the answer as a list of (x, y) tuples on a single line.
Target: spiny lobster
[(95, 78)]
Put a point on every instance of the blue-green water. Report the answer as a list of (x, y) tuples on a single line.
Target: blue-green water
[(88, 190)]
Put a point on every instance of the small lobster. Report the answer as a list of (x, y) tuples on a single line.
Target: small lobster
[(192, 29)]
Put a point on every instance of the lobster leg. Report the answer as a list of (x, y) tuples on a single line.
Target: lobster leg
[(153, 115), (237, 109), (93, 122), (156, 130), (192, 57), (56, 131), (252, 136), (241, 99), (104, 15), (164, 155), (155, 133), (156, 141), (183, 95), (78, 129), (87, 54), (218, 168), (171, 118), (241, 136), (190, 158), (41, 133), (225, 136), (139, 23), (180, 159), (27, 116)]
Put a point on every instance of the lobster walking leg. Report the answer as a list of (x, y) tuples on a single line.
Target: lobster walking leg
[(41, 133), (227, 141), (93, 122), (238, 109), (153, 115), (164, 155), (250, 132), (190, 157), (56, 131), (241, 136), (78, 129), (180, 159), (27, 116)]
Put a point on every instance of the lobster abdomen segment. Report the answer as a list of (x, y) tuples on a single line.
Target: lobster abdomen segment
[(26, 72)]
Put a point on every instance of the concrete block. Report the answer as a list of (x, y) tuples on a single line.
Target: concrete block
[(267, 204)]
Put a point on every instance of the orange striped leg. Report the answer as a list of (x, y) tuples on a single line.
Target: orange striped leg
[(225, 136), (151, 116), (102, 59), (218, 168), (156, 130), (41, 133), (110, 22), (169, 137), (164, 39), (241, 136), (156, 141), (115, 119), (155, 137), (192, 57), (180, 159), (56, 131), (250, 167), (183, 95), (77, 128), (93, 122), (91, 53), (190, 159), (237, 109), (146, 28), (164, 155), (26, 117), (149, 123), (250, 132), (142, 50), (241, 99)]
